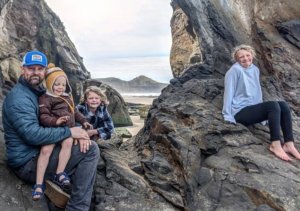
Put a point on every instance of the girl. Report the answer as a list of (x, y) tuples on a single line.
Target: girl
[(93, 105), (56, 110), (243, 103)]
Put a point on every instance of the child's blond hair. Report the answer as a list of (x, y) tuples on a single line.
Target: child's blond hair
[(96, 90), (243, 47)]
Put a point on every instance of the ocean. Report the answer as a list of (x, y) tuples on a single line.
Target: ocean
[(141, 94)]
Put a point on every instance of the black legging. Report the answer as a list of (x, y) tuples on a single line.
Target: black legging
[(277, 113)]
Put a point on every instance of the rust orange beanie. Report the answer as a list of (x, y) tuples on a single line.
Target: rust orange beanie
[(52, 73)]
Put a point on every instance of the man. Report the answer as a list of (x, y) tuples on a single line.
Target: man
[(24, 136)]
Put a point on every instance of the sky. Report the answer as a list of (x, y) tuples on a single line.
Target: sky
[(117, 38)]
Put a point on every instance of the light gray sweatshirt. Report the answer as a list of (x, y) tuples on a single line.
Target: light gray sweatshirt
[(242, 88)]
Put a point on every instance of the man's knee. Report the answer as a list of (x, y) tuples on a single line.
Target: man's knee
[(95, 149)]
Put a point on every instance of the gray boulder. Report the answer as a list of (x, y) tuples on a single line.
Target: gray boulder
[(15, 194)]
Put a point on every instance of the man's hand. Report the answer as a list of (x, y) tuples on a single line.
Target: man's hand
[(81, 136), (88, 125), (62, 119), (84, 144), (79, 133)]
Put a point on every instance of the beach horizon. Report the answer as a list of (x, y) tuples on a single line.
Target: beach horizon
[(138, 98)]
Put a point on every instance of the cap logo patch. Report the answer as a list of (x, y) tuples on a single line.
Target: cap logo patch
[(37, 58)]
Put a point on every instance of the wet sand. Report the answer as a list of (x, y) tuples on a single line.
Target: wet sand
[(138, 123), (141, 100)]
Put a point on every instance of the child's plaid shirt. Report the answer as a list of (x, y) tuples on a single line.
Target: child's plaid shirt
[(101, 121)]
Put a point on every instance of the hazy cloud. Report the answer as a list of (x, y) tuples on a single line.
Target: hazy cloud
[(118, 29), (157, 68)]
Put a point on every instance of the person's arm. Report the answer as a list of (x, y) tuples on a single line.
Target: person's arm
[(229, 91), (104, 132), (23, 118), (46, 119), (79, 117)]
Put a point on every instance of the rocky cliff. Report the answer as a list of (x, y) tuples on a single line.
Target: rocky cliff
[(186, 157), (185, 50), (34, 26), (31, 25)]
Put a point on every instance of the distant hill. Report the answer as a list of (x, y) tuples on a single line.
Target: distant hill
[(141, 84)]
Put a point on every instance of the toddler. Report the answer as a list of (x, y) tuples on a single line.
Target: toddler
[(56, 110)]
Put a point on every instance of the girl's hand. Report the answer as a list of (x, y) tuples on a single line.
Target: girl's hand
[(88, 126), (62, 119)]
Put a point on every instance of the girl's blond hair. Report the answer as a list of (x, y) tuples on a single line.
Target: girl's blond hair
[(96, 90), (243, 47)]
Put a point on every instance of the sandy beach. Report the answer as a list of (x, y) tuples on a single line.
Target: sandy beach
[(139, 99), (138, 123)]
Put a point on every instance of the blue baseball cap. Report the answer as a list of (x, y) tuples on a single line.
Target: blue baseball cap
[(34, 57)]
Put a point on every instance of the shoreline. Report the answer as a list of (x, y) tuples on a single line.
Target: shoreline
[(138, 123), (145, 100)]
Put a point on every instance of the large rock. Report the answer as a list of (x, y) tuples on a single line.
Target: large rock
[(15, 194), (186, 152), (120, 184), (117, 107), (211, 165), (33, 26), (290, 30), (185, 46)]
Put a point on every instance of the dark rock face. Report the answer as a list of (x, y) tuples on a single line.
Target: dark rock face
[(192, 160), (120, 184), (117, 107), (187, 149), (15, 194), (197, 162), (290, 30), (186, 152), (33, 26), (185, 49)]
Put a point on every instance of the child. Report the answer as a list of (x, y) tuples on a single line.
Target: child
[(94, 107), (56, 109), (243, 103)]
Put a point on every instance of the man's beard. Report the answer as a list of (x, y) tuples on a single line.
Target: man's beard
[(33, 82)]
